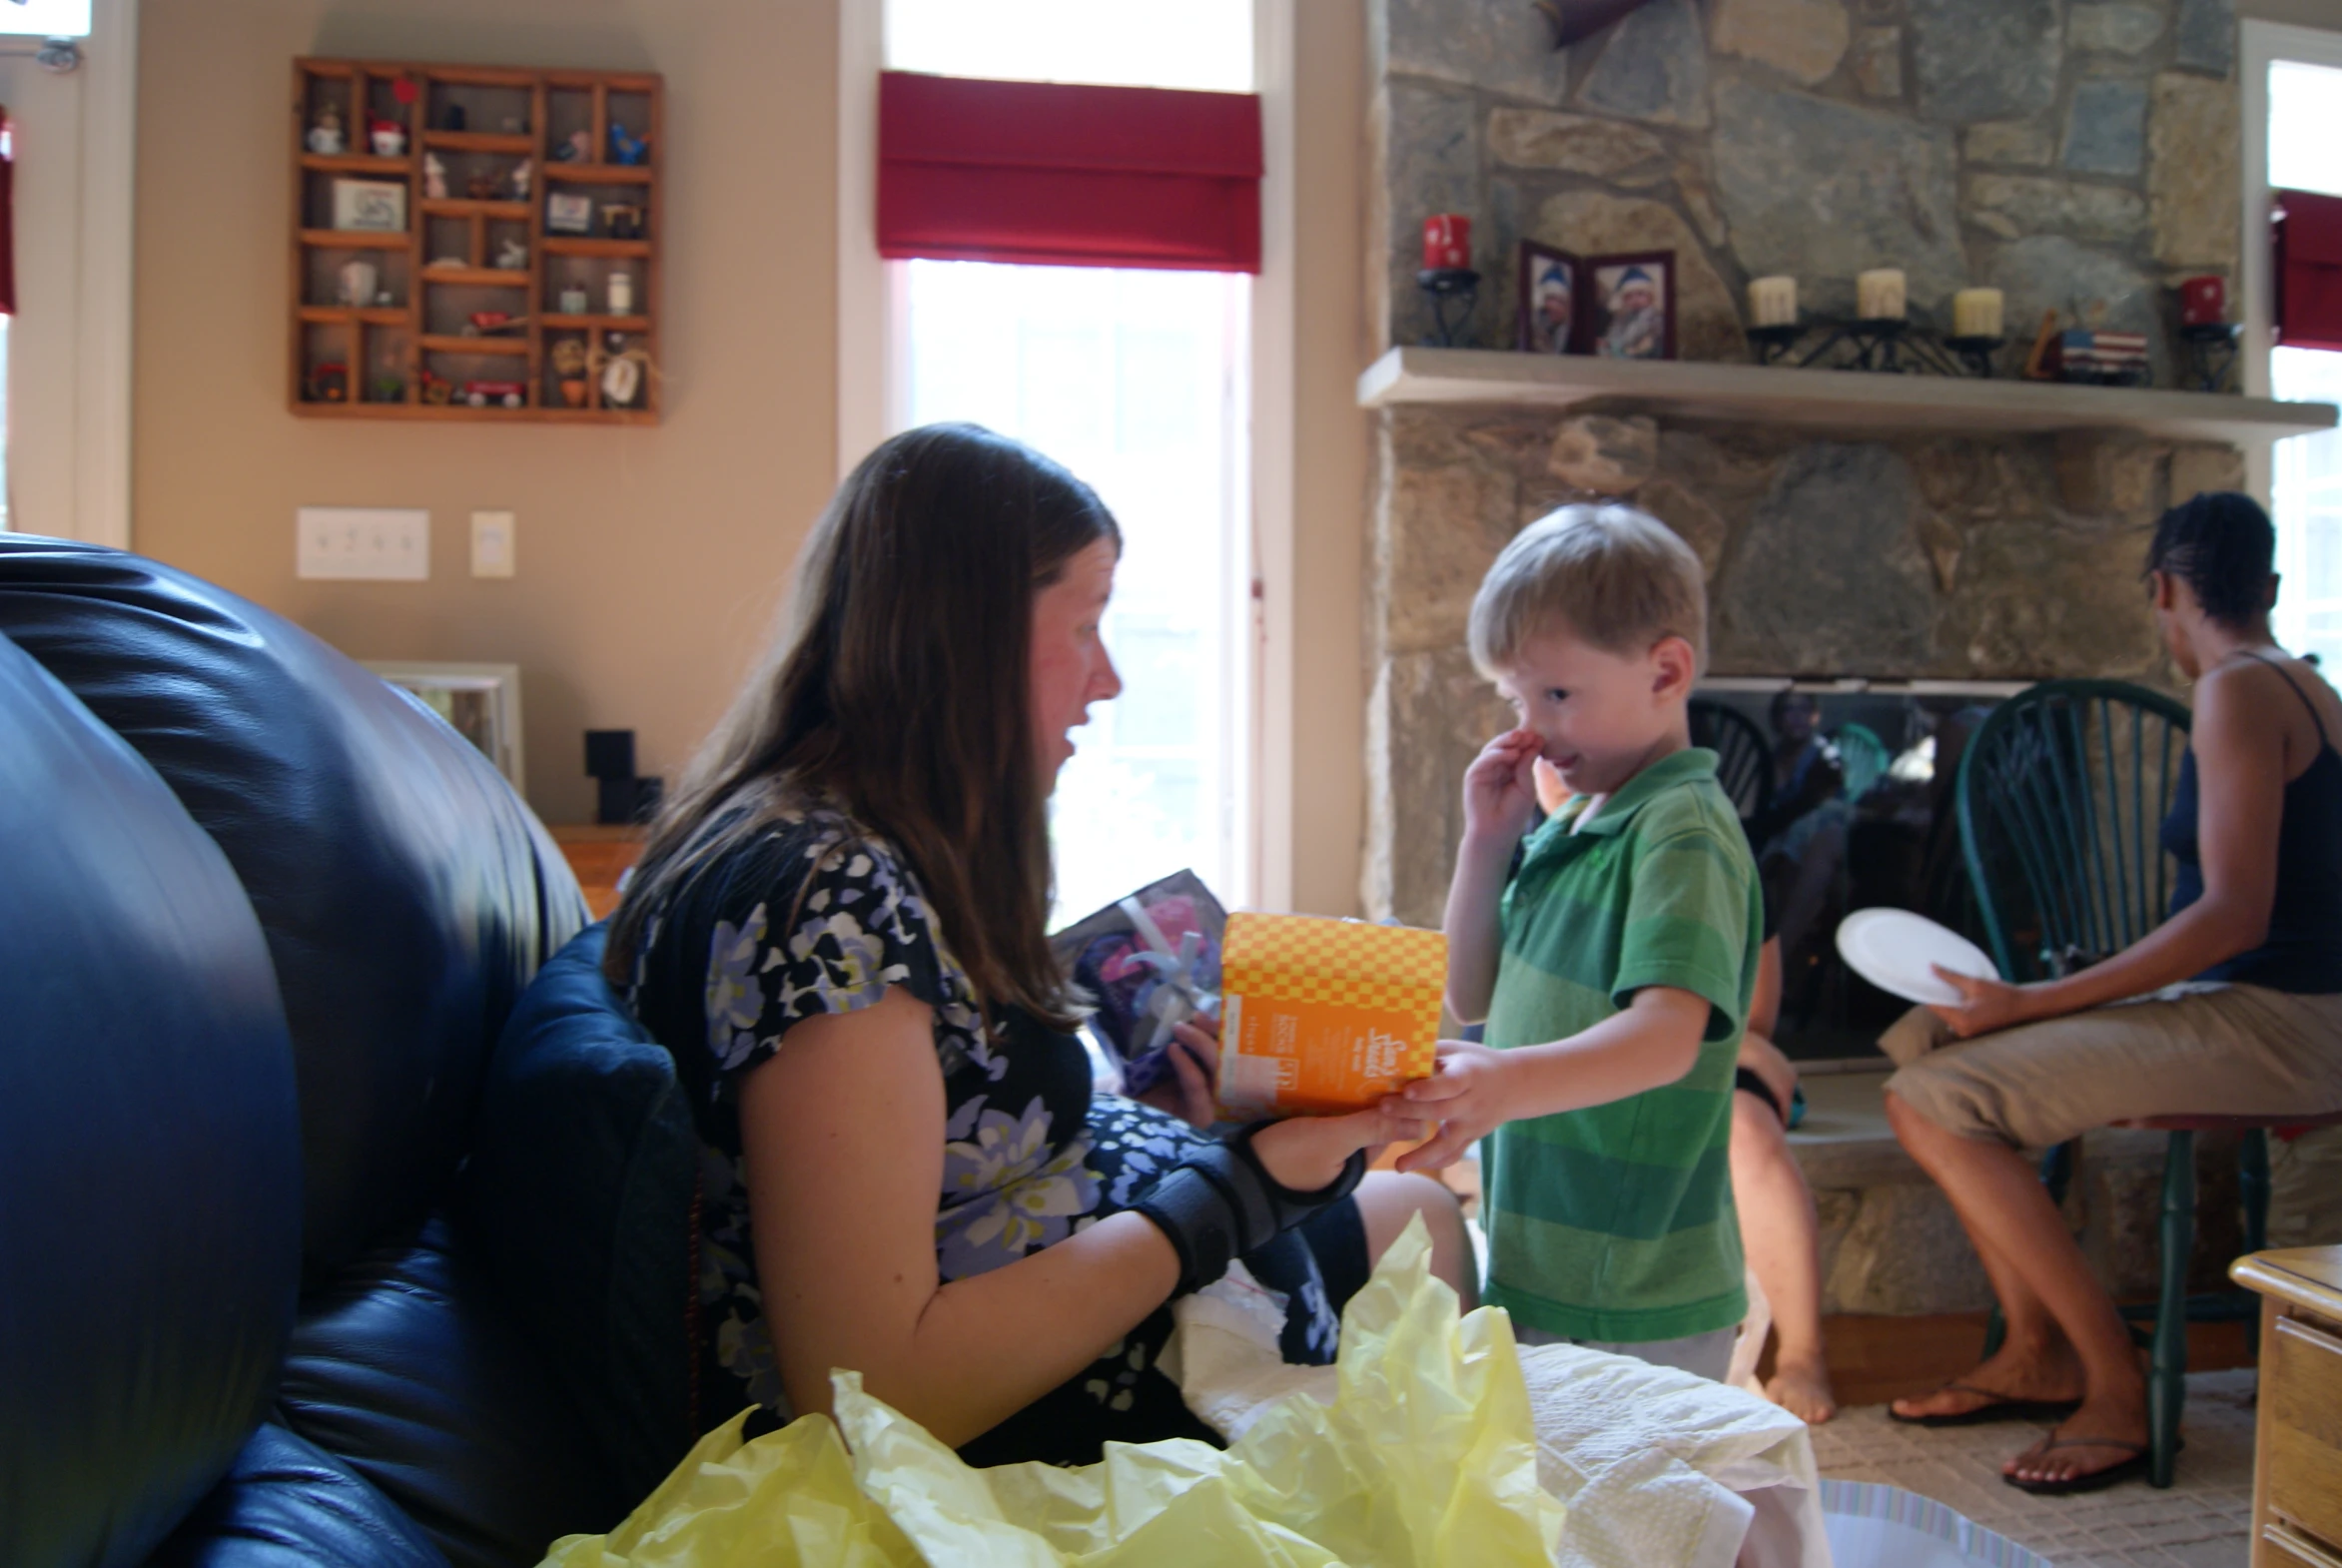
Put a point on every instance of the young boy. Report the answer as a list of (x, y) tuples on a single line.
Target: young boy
[(1614, 963)]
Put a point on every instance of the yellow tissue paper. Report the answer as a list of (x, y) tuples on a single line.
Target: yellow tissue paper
[(1427, 1458)]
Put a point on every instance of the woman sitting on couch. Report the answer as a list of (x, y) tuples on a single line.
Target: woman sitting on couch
[(837, 927)]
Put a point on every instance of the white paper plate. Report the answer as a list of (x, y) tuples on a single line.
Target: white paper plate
[(1897, 950)]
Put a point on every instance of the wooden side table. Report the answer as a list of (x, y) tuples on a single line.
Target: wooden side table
[(599, 855), (2297, 1454)]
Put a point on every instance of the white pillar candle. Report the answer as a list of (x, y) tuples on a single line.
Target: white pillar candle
[(1977, 312), (1879, 295), (1773, 302)]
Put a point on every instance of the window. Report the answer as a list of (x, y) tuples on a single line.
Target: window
[(2305, 154), (66, 348), (46, 18), (1201, 45), (1137, 382)]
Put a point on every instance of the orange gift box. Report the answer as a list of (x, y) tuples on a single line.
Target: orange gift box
[(1325, 1016)]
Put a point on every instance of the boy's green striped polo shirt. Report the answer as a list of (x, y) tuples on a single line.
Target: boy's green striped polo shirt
[(1615, 1222)]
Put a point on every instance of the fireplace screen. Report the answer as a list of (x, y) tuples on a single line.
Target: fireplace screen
[(1846, 790)]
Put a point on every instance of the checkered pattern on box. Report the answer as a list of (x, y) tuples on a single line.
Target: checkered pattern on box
[(1335, 950), (1391, 968)]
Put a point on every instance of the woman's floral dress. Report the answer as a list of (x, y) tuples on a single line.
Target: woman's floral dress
[(817, 916)]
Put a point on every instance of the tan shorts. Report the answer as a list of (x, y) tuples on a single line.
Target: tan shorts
[(2194, 1049)]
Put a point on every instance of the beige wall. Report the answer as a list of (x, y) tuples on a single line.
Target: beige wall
[(649, 559)]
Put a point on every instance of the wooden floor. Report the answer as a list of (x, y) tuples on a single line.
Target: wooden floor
[(1877, 1358)]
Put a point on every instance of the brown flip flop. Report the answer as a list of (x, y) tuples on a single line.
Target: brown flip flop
[(2094, 1480), (2002, 1407)]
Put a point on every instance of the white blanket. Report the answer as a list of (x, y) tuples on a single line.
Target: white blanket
[(1658, 1468)]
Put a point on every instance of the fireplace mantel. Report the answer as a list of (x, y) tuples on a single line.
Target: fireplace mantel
[(1838, 400)]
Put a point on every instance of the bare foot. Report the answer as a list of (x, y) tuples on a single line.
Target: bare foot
[(2041, 1374), (2119, 1416), (1801, 1387)]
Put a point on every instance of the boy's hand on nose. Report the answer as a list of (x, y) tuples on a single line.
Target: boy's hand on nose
[(1468, 1096), (1500, 787)]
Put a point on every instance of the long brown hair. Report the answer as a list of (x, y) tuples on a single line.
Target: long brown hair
[(899, 693)]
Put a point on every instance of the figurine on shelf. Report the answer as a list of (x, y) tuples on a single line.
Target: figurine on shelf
[(523, 172), (325, 136), (434, 178), (623, 221), (511, 254), (388, 136), (570, 367), (629, 149), (575, 148), (389, 389), (481, 187), (447, 264), (327, 383), (452, 118), (622, 374), (361, 281)]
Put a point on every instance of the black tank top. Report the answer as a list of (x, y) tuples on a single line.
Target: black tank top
[(2303, 953)]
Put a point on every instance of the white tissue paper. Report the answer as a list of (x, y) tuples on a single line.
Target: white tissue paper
[(1657, 1467)]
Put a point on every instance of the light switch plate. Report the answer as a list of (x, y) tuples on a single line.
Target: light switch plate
[(495, 543), (383, 543)]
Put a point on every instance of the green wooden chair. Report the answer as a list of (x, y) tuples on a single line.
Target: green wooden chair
[(1864, 756), (1744, 763), (2061, 798)]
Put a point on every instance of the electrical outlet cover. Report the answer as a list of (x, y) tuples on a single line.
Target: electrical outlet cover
[(493, 545)]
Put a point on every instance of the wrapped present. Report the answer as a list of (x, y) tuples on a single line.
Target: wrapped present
[(1150, 961), (1325, 1016)]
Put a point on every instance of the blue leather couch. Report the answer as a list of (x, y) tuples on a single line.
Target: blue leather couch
[(297, 1266)]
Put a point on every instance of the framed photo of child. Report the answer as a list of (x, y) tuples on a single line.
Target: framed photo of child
[(1549, 296), (1630, 307)]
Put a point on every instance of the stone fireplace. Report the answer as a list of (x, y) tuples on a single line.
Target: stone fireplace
[(2080, 156)]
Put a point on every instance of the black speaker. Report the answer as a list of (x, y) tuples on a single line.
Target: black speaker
[(609, 754)]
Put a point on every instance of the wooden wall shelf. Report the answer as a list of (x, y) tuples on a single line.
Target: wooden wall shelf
[(410, 352)]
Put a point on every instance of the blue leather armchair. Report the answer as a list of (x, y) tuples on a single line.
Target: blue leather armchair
[(263, 920)]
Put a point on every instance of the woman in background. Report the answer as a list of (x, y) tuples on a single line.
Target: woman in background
[(2231, 1007)]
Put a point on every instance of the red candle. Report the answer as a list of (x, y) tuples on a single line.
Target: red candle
[(2203, 301), (1448, 241)]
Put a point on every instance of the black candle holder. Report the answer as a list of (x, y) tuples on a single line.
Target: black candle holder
[(1888, 345), (1976, 352), (1452, 291), (1772, 343), (2208, 352)]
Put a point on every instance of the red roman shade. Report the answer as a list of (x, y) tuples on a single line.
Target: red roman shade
[(2309, 269), (1051, 174)]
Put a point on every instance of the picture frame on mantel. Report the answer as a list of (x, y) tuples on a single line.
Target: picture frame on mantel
[(1550, 314), (1629, 305)]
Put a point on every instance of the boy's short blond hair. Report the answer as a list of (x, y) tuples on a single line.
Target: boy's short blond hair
[(1608, 574)]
